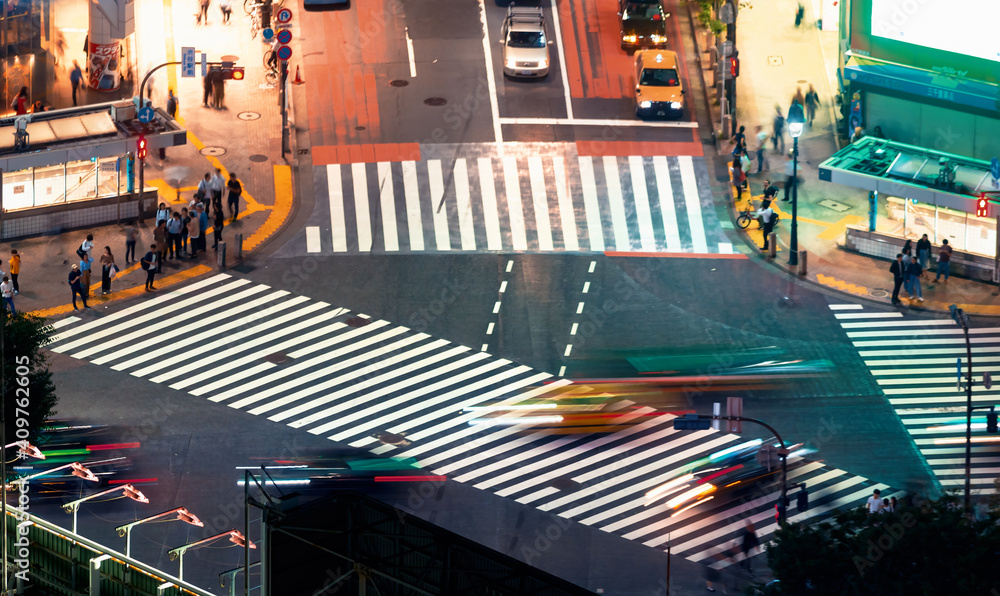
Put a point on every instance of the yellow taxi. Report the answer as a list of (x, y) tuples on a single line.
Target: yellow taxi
[(658, 89)]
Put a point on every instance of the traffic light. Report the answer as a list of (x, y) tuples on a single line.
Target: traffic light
[(779, 509), (991, 422), (692, 422), (802, 499), (734, 67), (981, 205), (140, 148), (235, 73)]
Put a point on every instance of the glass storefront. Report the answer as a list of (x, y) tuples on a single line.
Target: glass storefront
[(964, 232), (56, 185)]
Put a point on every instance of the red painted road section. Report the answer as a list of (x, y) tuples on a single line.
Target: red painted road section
[(366, 153), (678, 255), (627, 148)]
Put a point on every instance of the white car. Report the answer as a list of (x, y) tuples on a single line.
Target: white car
[(525, 45)]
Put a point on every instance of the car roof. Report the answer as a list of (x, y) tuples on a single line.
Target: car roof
[(667, 58), (530, 27)]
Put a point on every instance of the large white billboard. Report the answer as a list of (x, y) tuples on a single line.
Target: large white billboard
[(965, 27)]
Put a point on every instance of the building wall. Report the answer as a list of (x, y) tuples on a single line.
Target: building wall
[(933, 126)]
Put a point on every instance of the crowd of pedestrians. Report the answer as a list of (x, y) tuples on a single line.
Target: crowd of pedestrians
[(908, 268)]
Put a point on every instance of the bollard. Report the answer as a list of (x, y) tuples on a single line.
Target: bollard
[(772, 245), (239, 248), (221, 255), (803, 259)]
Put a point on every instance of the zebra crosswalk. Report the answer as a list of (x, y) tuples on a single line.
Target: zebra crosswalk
[(916, 362), (382, 387), (540, 203)]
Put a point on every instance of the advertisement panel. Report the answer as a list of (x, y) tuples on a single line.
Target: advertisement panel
[(103, 63), (945, 36)]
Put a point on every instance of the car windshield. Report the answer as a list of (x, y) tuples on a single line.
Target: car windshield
[(642, 12), (526, 39), (659, 77)]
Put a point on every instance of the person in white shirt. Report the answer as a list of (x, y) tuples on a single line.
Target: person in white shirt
[(874, 504), (88, 245), (766, 215), (217, 183), (7, 292)]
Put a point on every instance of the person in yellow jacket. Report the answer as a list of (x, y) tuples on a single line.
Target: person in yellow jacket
[(15, 268)]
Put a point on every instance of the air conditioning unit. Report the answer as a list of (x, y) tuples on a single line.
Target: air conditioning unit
[(123, 111)]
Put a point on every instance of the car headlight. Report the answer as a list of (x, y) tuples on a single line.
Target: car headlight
[(658, 38), (629, 38), (676, 105), (543, 63), (511, 63), (645, 104)]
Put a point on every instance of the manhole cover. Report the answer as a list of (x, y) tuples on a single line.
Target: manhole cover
[(878, 293), (359, 128), (435, 101), (774, 61), (213, 151), (276, 358), (248, 116), (258, 158), (357, 322), (801, 82), (565, 484), (398, 83), (838, 207), (387, 438)]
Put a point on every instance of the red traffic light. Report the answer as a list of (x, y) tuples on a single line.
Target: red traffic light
[(238, 73), (235, 73), (140, 148), (734, 67), (981, 205)]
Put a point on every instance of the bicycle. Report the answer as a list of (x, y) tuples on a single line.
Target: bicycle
[(747, 215), (271, 72), (251, 5)]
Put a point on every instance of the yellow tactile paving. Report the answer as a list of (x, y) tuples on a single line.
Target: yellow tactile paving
[(837, 229), (95, 300), (844, 286), (279, 214)]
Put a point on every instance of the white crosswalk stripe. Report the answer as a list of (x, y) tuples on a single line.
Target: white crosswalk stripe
[(536, 203), (918, 370), (383, 387)]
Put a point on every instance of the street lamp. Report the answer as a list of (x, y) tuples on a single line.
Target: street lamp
[(235, 536), (182, 515), (77, 470), (129, 490), (796, 120), (963, 321)]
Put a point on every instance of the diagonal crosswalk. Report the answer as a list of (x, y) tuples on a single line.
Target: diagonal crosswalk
[(526, 204), (916, 362), (357, 380)]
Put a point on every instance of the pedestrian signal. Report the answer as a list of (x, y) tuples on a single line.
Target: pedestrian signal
[(981, 205), (734, 67), (140, 148), (692, 422), (802, 500), (991, 422)]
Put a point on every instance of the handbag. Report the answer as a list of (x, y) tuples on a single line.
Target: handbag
[(113, 270)]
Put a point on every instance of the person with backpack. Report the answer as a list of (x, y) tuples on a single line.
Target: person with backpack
[(235, 190), (149, 263), (779, 130), (86, 247)]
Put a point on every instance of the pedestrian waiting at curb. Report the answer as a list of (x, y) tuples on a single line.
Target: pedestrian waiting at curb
[(85, 263), (194, 233), (185, 221), (149, 262), (766, 215), (131, 237), (923, 251), (15, 269), (203, 226), (789, 174), (217, 228), (7, 292), (108, 270), (943, 262), (162, 214), (86, 247), (914, 272), (898, 270), (160, 237), (74, 279), (235, 190), (874, 503), (174, 226), (217, 184), (739, 179)]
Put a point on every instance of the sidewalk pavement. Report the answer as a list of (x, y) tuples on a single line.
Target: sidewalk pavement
[(775, 58), (242, 138)]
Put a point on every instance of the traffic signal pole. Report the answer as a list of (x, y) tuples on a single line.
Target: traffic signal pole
[(695, 422)]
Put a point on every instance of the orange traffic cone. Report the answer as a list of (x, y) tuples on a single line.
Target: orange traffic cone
[(298, 77)]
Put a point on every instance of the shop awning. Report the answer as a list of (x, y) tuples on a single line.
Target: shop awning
[(906, 171), (923, 83)]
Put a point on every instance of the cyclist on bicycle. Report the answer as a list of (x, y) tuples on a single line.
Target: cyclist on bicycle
[(272, 58)]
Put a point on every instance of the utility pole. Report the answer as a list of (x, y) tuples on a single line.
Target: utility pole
[(963, 321)]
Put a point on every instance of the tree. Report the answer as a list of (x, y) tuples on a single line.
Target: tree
[(28, 393), (928, 548)]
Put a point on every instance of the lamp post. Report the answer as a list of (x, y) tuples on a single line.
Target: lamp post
[(235, 537), (77, 470), (796, 120), (129, 490), (963, 321), (25, 449), (182, 515)]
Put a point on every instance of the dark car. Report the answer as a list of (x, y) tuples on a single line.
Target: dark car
[(643, 24)]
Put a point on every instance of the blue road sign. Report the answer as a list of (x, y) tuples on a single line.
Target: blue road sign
[(995, 167), (146, 114), (284, 36), (268, 33), (284, 52), (204, 64), (187, 62)]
